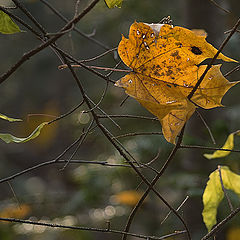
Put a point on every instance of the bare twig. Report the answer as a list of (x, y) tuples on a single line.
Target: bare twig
[(218, 6), (213, 59), (207, 127), (183, 202), (221, 224), (104, 230)]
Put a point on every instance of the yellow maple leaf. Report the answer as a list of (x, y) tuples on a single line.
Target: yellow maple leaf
[(164, 67)]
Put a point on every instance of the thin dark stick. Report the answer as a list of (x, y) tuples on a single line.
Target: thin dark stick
[(129, 116), (107, 230), (42, 164), (101, 127), (224, 190), (123, 101), (14, 194), (84, 135), (213, 59), (207, 127), (237, 68), (75, 28), (217, 5), (67, 114), (29, 15), (36, 50), (60, 161), (209, 148), (137, 134), (100, 101), (221, 224), (153, 182), (179, 207), (95, 67)]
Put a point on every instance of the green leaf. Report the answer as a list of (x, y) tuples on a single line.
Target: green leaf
[(229, 144), (114, 3), (213, 193), (8, 138), (7, 26), (9, 119)]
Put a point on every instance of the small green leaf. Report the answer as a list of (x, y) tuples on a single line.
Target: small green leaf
[(9, 119), (229, 144), (7, 26), (213, 193), (114, 3), (8, 138)]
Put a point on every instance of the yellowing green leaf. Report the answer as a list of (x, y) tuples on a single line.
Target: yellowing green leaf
[(229, 144), (114, 3), (7, 26), (8, 138), (213, 193), (9, 119)]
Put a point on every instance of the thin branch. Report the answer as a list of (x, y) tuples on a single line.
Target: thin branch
[(91, 229), (95, 67), (219, 226), (183, 202), (213, 59), (207, 127), (137, 134), (129, 116), (153, 182), (108, 136), (218, 6), (84, 135), (75, 28), (36, 50), (237, 68), (209, 148)]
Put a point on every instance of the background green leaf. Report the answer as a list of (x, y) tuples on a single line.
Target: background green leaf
[(114, 3), (9, 119), (8, 138), (7, 26)]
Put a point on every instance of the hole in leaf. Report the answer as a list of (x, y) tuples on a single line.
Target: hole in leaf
[(196, 50)]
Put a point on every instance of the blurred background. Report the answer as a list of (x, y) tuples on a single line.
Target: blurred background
[(91, 194)]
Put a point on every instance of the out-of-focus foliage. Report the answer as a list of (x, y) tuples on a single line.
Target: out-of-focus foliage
[(15, 211), (130, 197)]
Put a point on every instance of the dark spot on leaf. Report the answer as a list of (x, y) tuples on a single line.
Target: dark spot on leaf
[(196, 50), (157, 74), (174, 54), (169, 86), (178, 44), (169, 72)]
